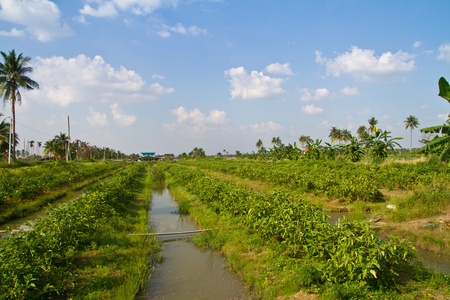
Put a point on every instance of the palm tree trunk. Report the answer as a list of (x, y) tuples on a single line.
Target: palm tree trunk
[(13, 108), (410, 149)]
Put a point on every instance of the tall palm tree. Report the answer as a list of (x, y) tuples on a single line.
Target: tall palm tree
[(12, 77), (305, 139), (411, 122), (276, 141), (334, 134), (259, 144), (362, 132), (372, 122), (346, 135)]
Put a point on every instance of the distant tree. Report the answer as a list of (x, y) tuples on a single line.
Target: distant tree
[(12, 77), (346, 135), (336, 134), (305, 139), (411, 122), (372, 124), (276, 141), (259, 144), (362, 132)]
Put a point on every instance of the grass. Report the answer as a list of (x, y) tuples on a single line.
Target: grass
[(118, 264)]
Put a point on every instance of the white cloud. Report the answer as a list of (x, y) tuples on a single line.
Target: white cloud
[(192, 30), (14, 33), (417, 44), (96, 118), (105, 9), (312, 110), (254, 85), (350, 91), (309, 95), (109, 8), (363, 65), (278, 68), (443, 117), (364, 112), (120, 118), (82, 79), (264, 127), (425, 106), (444, 52), (385, 117), (196, 122), (40, 18)]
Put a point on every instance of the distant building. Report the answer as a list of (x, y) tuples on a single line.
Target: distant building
[(148, 156)]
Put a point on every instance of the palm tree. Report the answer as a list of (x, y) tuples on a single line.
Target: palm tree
[(346, 135), (411, 122), (362, 132), (305, 139), (259, 144), (372, 122), (4, 136), (335, 134), (276, 141), (12, 77)]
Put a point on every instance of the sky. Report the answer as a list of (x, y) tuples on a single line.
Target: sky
[(167, 76)]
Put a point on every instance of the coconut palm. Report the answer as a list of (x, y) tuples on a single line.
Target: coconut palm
[(362, 132), (411, 122), (276, 141), (346, 135), (259, 144), (334, 134), (12, 77), (305, 139), (372, 122)]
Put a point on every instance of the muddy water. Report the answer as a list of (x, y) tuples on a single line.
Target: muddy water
[(429, 259), (187, 272)]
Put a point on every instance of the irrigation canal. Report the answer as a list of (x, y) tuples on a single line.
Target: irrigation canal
[(187, 272)]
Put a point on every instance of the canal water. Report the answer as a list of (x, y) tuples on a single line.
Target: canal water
[(187, 272)]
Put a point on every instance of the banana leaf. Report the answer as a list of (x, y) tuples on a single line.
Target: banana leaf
[(444, 89), (444, 129)]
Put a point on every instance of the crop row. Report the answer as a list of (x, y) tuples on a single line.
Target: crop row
[(30, 182), (349, 251), (333, 179), (38, 264)]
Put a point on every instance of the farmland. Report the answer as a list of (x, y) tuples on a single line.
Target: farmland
[(272, 229), (267, 219)]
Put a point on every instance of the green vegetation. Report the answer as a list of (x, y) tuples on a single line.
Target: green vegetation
[(84, 250), (281, 244), (27, 189)]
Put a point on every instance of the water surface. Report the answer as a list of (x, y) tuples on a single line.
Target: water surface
[(186, 271)]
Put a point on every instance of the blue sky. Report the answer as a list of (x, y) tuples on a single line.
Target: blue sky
[(168, 76)]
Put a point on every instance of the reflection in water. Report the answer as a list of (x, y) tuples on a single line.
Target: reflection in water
[(186, 271)]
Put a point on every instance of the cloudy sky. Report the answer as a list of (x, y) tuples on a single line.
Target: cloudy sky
[(171, 75)]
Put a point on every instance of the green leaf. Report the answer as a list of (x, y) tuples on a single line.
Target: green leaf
[(373, 273), (444, 89)]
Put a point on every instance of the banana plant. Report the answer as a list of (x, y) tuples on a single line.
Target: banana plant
[(440, 143), (381, 142)]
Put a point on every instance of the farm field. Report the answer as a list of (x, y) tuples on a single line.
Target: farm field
[(85, 249), (272, 229), (268, 221)]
